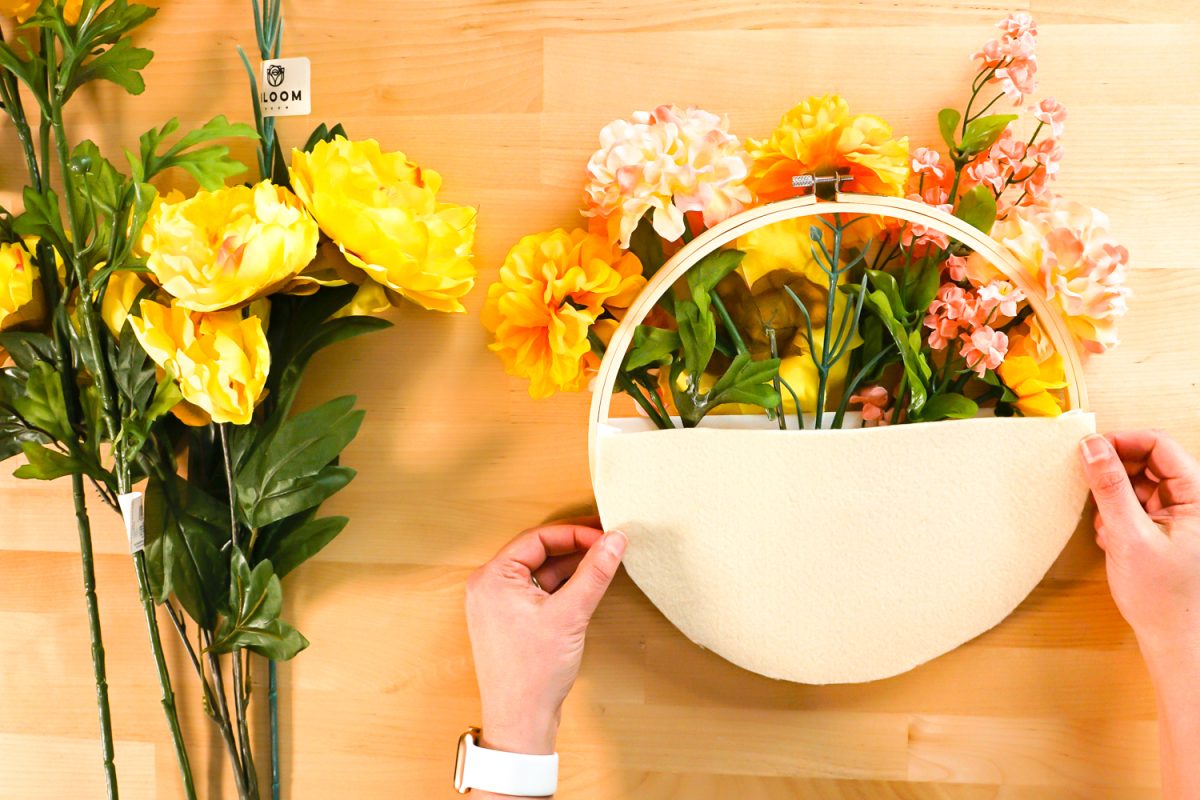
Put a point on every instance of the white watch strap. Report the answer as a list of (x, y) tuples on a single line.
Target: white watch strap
[(516, 774)]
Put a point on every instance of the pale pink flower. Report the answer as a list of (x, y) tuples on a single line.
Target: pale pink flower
[(956, 268), (1068, 249), (942, 331), (984, 349), (987, 172), (1048, 153), (1008, 152), (1052, 113), (1017, 79), (1002, 296), (875, 401), (926, 160), (665, 163), (1017, 25)]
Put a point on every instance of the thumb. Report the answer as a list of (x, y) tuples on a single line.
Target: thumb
[(1115, 499), (595, 572)]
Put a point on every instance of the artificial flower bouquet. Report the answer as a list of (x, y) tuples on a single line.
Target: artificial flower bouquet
[(152, 344), (890, 318), (774, 342)]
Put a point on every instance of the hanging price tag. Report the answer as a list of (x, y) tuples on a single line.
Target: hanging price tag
[(285, 90), (134, 514)]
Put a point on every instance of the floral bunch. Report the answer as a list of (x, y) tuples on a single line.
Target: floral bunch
[(893, 318), (152, 344)]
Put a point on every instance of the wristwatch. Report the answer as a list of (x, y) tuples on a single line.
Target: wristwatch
[(515, 774)]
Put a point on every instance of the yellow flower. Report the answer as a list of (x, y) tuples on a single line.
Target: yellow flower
[(382, 211), (119, 296), (820, 136), (220, 359), (220, 249), (21, 302), (553, 286), (1033, 373), (779, 257), (22, 10)]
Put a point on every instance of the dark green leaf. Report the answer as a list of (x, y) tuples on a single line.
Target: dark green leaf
[(41, 219), (886, 282), (28, 349), (252, 621), (286, 372), (290, 547), (292, 497), (41, 405), (925, 288), (121, 64), (183, 550), (647, 245)]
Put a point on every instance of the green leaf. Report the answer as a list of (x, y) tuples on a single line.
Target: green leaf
[(183, 549), (698, 333), (209, 165), (133, 370), (652, 346), (302, 446), (647, 245), (915, 366), (925, 288), (41, 219), (703, 277), (289, 546), (255, 601), (121, 64), (42, 405), (46, 464), (746, 381), (982, 133), (285, 499), (977, 208), (949, 406), (886, 283), (26, 349), (948, 119)]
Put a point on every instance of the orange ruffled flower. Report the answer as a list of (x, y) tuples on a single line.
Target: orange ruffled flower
[(553, 287), (820, 136), (1033, 371)]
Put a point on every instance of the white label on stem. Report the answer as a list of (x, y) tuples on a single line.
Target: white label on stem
[(134, 514), (285, 88)]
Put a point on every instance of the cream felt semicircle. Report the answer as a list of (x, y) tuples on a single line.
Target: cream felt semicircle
[(839, 556)]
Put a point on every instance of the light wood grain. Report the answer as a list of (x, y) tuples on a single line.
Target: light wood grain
[(505, 100)]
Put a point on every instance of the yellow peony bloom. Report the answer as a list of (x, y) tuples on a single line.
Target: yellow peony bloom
[(20, 288), (22, 10), (119, 296), (1033, 371), (553, 286), (820, 136), (220, 249), (220, 359), (382, 211)]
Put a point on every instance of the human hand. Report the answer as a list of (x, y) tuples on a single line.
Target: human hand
[(1147, 491), (528, 641)]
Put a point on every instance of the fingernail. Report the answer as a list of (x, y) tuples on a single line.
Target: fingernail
[(614, 542), (1095, 448)]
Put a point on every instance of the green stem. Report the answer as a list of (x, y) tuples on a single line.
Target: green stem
[(83, 523), (104, 383), (226, 724), (272, 695), (719, 305)]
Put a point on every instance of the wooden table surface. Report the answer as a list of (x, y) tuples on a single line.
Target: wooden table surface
[(505, 99)]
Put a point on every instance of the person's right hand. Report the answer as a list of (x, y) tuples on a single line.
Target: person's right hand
[(1147, 491)]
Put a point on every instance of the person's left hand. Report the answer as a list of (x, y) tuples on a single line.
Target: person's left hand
[(527, 638)]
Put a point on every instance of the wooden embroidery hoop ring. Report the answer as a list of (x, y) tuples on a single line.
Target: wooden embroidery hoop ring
[(810, 205)]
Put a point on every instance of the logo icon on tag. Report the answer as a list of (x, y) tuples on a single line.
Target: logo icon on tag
[(285, 90)]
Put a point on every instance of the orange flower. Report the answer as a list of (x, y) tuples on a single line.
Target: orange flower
[(553, 287), (820, 136), (1033, 372)]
